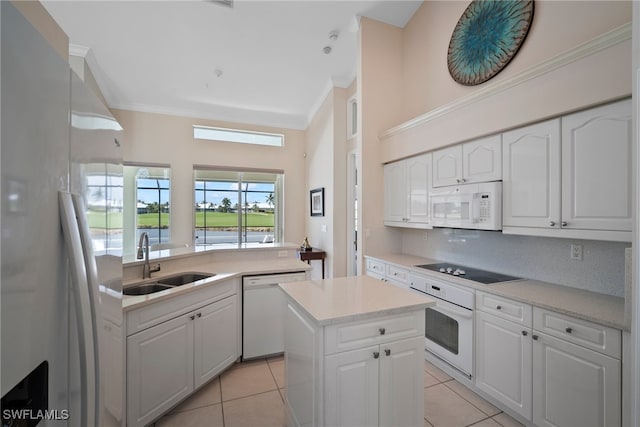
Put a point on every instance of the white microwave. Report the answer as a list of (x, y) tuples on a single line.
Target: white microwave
[(473, 206)]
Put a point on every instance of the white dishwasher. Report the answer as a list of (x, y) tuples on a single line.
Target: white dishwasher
[(263, 312)]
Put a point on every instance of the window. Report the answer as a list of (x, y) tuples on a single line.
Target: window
[(148, 188), (240, 136), (104, 204), (352, 117), (237, 208)]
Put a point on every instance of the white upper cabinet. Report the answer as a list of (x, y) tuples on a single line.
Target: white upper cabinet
[(482, 160), (531, 176), (596, 168), (475, 161), (570, 177), (406, 192), (447, 166)]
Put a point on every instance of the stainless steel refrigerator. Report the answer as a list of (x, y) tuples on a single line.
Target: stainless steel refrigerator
[(61, 346)]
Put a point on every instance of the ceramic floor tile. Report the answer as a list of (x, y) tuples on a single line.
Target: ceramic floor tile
[(260, 410), (208, 416), (241, 382), (506, 420), (207, 395), (277, 369), (473, 398), (443, 407), (427, 423), (436, 372), (486, 423), (275, 358), (250, 363), (430, 380), (283, 393)]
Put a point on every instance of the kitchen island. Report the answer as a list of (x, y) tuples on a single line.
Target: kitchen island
[(354, 353)]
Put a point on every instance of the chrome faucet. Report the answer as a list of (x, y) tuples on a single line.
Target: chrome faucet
[(146, 269)]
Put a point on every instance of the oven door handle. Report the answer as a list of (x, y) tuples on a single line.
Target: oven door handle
[(452, 310)]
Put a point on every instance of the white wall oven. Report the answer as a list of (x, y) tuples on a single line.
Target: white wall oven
[(448, 324)]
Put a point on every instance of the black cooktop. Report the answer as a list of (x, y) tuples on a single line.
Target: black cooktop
[(482, 276)]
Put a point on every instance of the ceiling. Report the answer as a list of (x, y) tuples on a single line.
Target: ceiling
[(258, 62)]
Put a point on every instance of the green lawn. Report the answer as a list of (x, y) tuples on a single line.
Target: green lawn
[(220, 219), (214, 219)]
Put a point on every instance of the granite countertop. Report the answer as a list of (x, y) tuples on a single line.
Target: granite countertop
[(222, 270), (346, 299), (599, 308)]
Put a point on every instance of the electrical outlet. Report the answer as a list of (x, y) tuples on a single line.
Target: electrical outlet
[(283, 254), (576, 252)]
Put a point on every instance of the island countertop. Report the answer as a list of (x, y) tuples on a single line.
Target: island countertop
[(352, 298)]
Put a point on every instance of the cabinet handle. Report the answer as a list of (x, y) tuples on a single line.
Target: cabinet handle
[(552, 223), (569, 330), (192, 317), (498, 307), (382, 331), (387, 351), (458, 180), (376, 354), (535, 337), (525, 333), (199, 314), (564, 223), (463, 180)]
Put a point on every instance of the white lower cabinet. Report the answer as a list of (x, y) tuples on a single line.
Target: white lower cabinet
[(503, 362), (357, 373), (375, 385), (389, 273), (168, 361), (549, 368)]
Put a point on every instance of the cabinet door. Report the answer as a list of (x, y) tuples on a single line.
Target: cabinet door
[(395, 201), (351, 388), (417, 172), (401, 390), (531, 176), (447, 166), (503, 362), (573, 386), (596, 168), (216, 338), (159, 369), (482, 160)]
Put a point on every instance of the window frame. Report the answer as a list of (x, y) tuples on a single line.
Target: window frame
[(242, 206)]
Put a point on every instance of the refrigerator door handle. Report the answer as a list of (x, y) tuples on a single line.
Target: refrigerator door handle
[(80, 289), (93, 285)]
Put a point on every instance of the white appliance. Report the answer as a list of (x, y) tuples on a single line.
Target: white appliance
[(263, 313), (448, 324), (61, 314), (472, 206)]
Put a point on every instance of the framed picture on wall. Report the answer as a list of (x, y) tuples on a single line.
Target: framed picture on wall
[(317, 201)]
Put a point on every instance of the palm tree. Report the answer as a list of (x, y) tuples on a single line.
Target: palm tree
[(225, 204), (269, 199)]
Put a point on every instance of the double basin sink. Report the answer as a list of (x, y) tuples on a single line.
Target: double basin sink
[(165, 283)]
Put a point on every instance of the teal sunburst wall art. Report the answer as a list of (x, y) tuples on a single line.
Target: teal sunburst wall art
[(487, 36)]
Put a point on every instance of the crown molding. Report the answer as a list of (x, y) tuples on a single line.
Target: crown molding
[(597, 44)]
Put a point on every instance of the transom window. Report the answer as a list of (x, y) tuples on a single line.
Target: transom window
[(240, 136), (237, 208)]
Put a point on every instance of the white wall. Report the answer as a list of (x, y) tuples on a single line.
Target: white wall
[(326, 168), (380, 64), (164, 139), (539, 258)]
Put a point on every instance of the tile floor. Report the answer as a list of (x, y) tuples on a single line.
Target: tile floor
[(251, 394)]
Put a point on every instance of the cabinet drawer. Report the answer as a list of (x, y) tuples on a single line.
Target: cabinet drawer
[(504, 308), (348, 336), (397, 274), (375, 266), (581, 332), (145, 317)]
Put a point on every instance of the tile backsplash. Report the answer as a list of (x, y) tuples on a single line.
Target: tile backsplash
[(601, 270)]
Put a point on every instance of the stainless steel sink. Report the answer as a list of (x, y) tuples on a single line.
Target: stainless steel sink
[(146, 288), (184, 278)]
